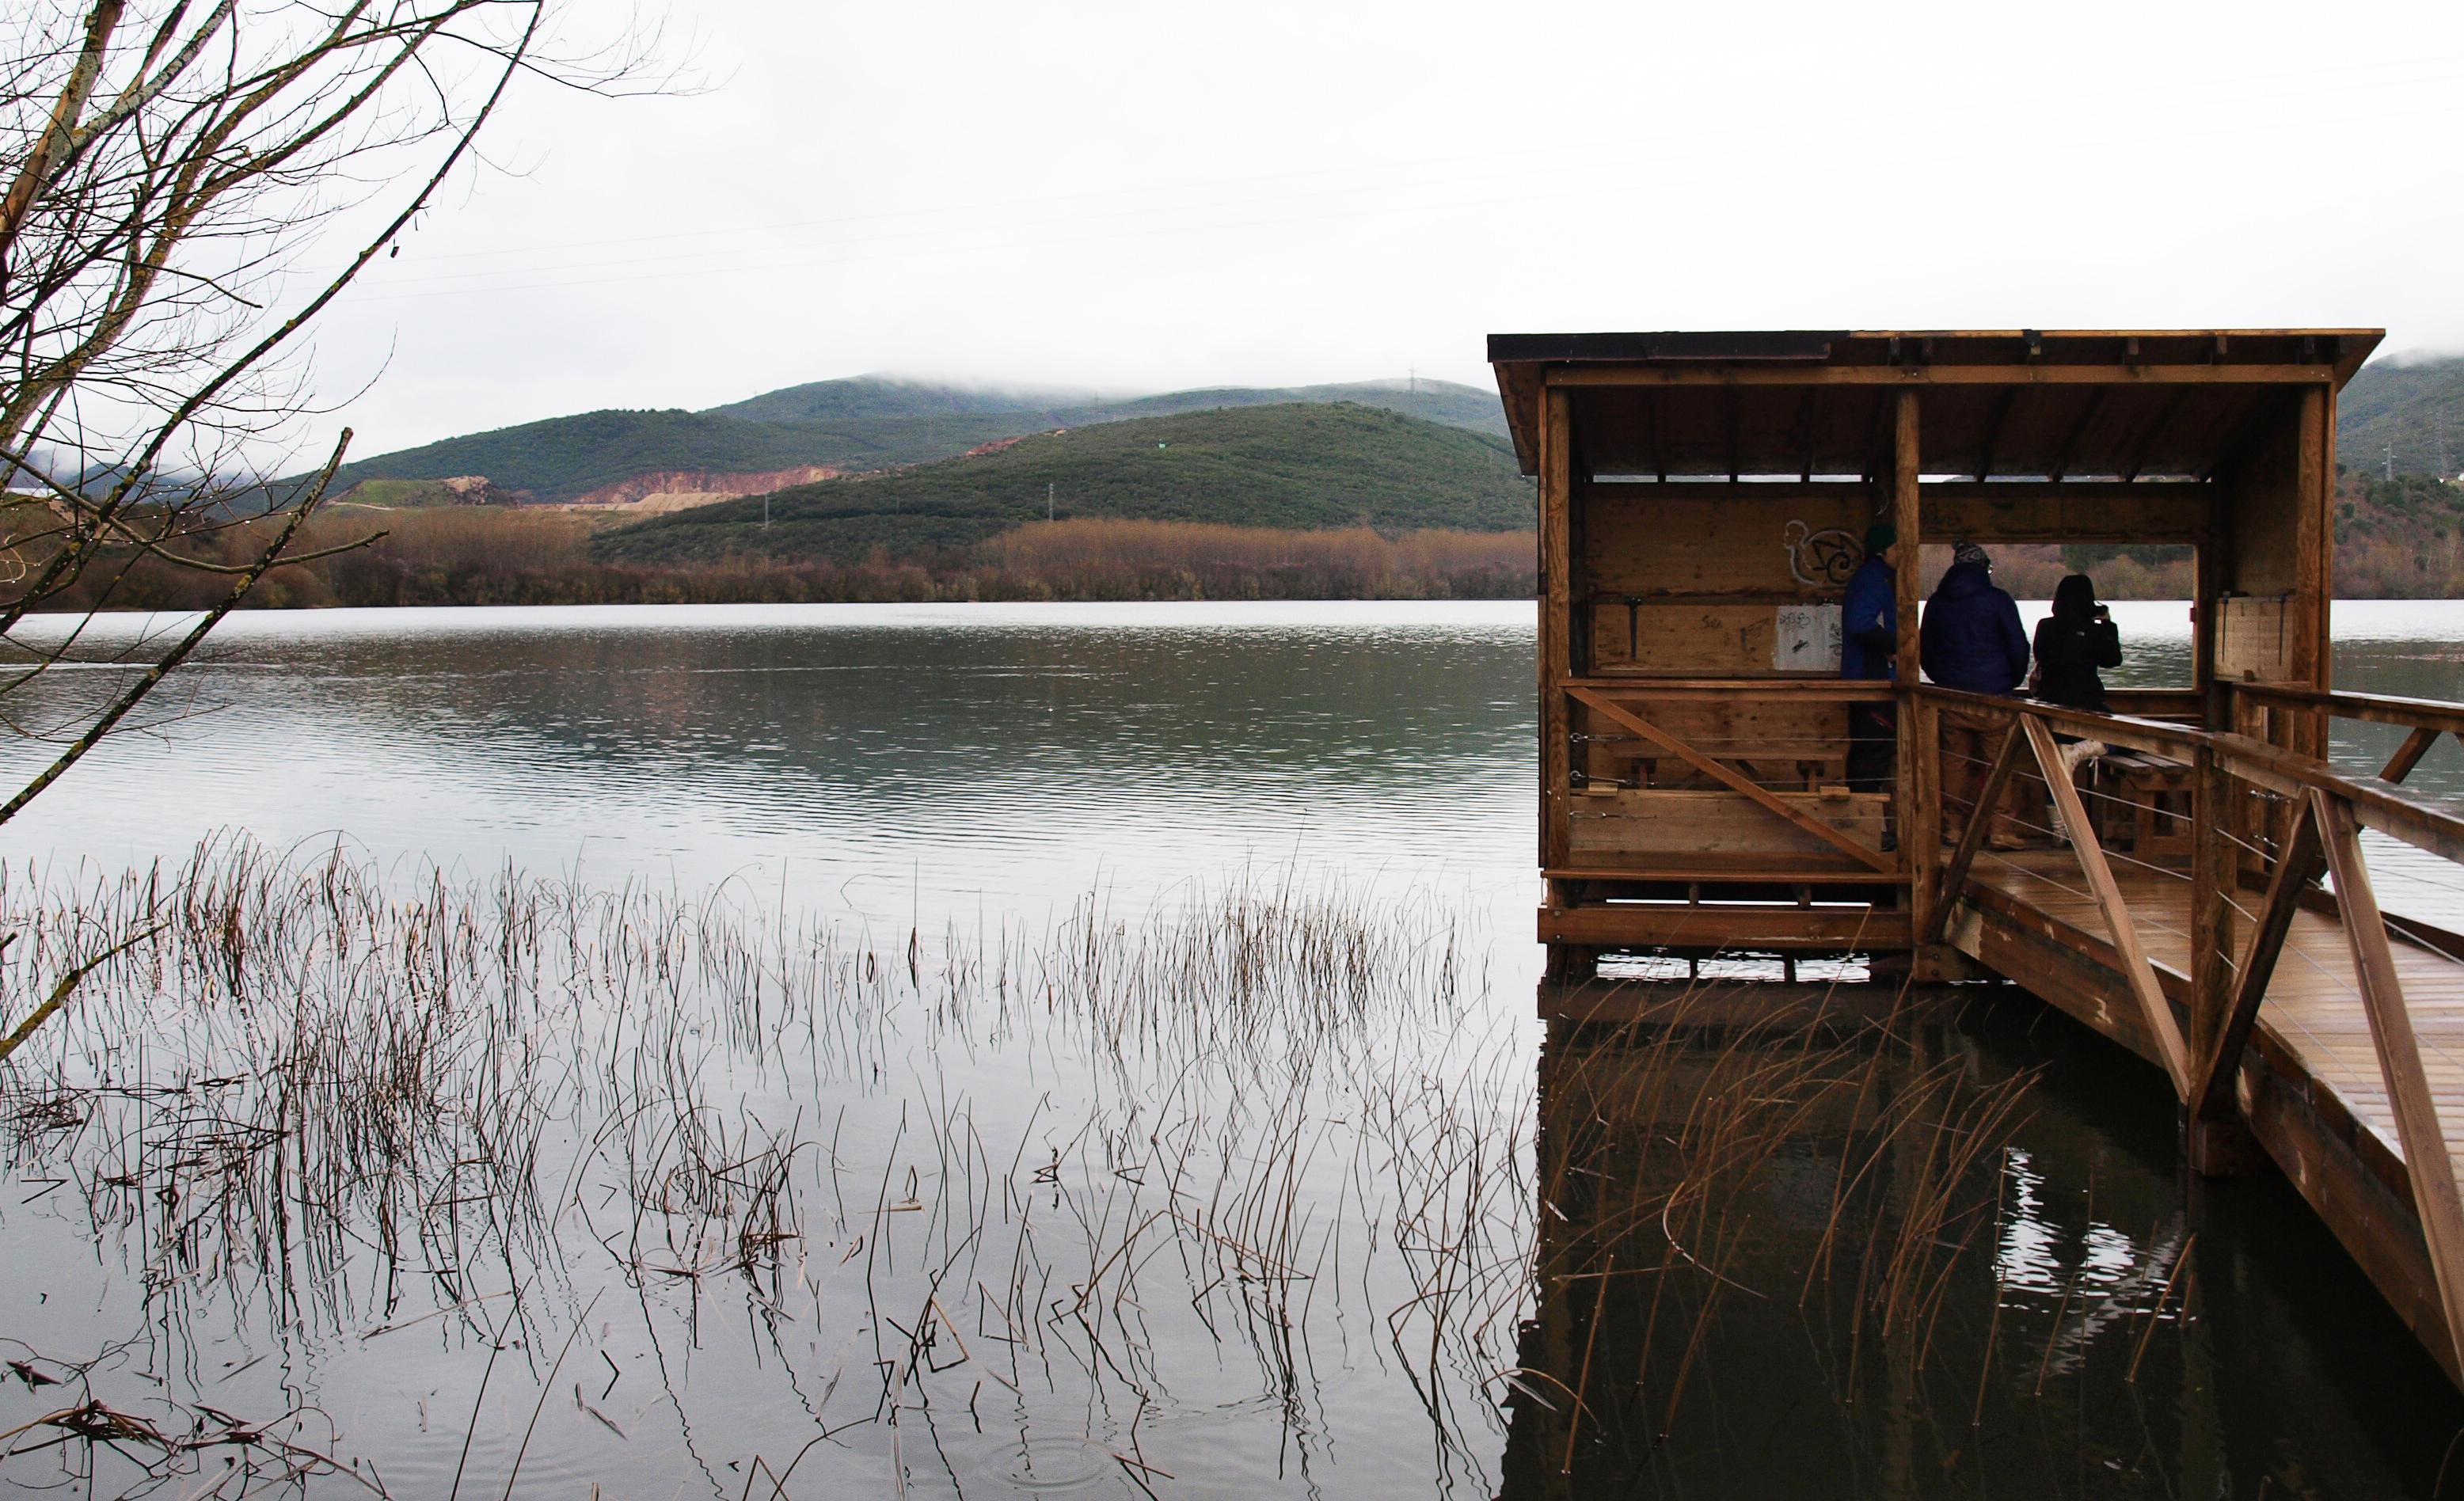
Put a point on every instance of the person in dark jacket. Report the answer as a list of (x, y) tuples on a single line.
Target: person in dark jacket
[(1970, 640), (1869, 646), (2072, 643)]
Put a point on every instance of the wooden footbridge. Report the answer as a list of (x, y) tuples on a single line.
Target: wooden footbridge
[(2201, 893)]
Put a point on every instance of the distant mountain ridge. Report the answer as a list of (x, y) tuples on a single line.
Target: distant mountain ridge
[(1298, 466), (857, 425)]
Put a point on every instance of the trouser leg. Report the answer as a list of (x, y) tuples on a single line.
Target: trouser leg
[(1873, 746)]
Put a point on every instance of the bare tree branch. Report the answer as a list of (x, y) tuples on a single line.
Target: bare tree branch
[(167, 163), (135, 694)]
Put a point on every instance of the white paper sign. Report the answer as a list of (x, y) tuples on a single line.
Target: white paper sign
[(1807, 639)]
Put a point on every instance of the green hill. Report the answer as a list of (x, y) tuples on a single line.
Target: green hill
[(858, 424), (1431, 401), (1298, 465), (2412, 413), (565, 457), (876, 397)]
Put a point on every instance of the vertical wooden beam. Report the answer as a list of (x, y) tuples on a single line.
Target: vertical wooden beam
[(1556, 618), (2296, 866), (2207, 609), (2154, 1008), (2426, 1161), (1972, 839), (1920, 806), (2314, 562), (2212, 878)]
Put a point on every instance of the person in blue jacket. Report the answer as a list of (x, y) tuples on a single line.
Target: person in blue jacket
[(1869, 646), (1970, 640)]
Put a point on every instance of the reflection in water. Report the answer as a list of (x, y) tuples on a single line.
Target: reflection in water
[(881, 759), (1836, 1272), (1905, 1256)]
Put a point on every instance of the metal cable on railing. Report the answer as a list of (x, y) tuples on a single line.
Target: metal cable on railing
[(2056, 834)]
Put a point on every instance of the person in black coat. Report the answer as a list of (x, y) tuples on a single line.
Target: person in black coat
[(1971, 640), (2072, 643)]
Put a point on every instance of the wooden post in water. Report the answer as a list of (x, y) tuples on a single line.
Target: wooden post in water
[(1557, 649)]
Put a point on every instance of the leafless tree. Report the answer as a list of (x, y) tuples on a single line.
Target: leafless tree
[(172, 169)]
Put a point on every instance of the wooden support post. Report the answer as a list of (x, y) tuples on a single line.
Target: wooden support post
[(1918, 805), (2314, 570), (2409, 754), (1954, 873), (2295, 869), (1732, 778), (2207, 607), (2214, 1137), (2426, 1161), (2211, 888), (1556, 623), (2134, 966)]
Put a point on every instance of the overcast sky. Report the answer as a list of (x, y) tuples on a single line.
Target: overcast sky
[(1154, 196)]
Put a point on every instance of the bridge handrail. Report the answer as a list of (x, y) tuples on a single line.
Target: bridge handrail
[(2377, 803), (2317, 830), (2420, 713)]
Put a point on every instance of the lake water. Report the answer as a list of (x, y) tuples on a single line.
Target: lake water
[(1010, 1049)]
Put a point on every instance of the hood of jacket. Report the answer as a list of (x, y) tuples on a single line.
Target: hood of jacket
[(1963, 580)]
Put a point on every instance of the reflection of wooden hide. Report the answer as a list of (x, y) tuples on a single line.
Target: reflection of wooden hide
[(1689, 1177)]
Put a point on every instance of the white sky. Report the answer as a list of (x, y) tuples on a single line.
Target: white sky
[(1153, 196)]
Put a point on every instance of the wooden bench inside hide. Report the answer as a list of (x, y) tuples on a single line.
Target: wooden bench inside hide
[(2144, 805)]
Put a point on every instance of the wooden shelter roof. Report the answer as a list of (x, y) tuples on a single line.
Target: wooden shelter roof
[(2118, 403)]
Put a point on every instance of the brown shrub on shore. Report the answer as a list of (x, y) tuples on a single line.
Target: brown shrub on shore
[(519, 556), (1087, 559)]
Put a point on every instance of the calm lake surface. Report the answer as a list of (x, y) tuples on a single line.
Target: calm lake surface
[(1027, 1050)]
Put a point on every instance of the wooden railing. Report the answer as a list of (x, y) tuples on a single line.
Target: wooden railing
[(2266, 821), (2268, 817)]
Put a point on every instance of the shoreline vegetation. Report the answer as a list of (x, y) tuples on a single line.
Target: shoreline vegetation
[(494, 556), (491, 556), (2399, 539)]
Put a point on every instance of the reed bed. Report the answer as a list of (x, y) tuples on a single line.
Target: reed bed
[(819, 1209), (306, 1102)]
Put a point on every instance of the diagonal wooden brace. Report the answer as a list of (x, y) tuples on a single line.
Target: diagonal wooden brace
[(1734, 781), (1954, 875), (2134, 966), (2298, 864), (2409, 753), (2426, 1161)]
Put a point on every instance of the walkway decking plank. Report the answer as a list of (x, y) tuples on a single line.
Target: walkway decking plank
[(2312, 1010)]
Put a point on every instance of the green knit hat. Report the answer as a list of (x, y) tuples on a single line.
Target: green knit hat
[(1879, 537)]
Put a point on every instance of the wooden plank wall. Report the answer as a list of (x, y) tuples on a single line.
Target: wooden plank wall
[(2274, 564), (1693, 586), (1717, 823), (1780, 743)]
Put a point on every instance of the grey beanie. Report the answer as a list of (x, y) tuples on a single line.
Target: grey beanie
[(1970, 552)]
